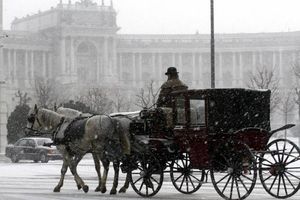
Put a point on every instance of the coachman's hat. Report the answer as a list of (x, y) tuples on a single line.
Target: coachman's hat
[(171, 70)]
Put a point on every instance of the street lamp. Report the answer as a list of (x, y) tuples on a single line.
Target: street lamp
[(212, 45)]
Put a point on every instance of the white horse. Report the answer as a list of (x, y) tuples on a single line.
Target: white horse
[(93, 139), (122, 127)]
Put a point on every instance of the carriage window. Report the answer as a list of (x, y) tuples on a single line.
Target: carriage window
[(180, 111), (197, 112)]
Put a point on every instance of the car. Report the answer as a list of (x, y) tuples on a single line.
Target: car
[(32, 148)]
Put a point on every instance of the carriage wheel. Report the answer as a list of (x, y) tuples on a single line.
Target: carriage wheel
[(147, 177), (234, 171), (185, 179), (279, 168)]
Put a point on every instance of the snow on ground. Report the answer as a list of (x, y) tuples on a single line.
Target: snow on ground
[(35, 181)]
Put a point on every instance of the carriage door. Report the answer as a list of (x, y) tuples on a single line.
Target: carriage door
[(197, 133)]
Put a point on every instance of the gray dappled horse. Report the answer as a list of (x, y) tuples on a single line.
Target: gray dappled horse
[(123, 128), (93, 138)]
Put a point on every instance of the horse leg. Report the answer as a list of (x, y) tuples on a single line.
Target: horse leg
[(116, 165), (97, 167), (126, 185), (63, 171), (105, 163), (73, 168)]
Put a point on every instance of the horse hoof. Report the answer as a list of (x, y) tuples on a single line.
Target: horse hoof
[(56, 189), (113, 191), (97, 189), (85, 188), (103, 190), (122, 190), (79, 187)]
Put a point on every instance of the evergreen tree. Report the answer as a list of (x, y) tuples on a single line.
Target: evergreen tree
[(16, 123)]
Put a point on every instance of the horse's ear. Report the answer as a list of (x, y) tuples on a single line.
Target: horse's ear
[(35, 108)]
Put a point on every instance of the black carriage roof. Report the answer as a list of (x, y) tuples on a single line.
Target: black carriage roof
[(231, 109), (223, 91)]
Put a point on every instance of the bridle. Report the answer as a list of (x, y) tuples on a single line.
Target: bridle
[(31, 119)]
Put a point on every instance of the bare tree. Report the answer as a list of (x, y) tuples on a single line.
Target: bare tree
[(98, 100), (286, 107), (45, 91), (120, 102), (23, 98), (147, 96), (264, 78), (296, 69)]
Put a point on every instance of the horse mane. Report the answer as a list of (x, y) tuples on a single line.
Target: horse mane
[(50, 117)]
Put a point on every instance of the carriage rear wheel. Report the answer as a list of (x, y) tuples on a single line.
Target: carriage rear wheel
[(234, 171), (147, 177), (184, 178), (279, 168)]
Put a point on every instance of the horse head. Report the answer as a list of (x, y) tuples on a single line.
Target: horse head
[(40, 119)]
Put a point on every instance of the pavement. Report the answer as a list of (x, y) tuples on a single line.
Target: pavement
[(3, 158)]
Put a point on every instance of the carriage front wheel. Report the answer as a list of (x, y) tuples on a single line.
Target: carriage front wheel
[(234, 171), (279, 168), (147, 177), (184, 178)]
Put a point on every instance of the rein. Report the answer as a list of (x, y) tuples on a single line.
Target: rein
[(55, 132)]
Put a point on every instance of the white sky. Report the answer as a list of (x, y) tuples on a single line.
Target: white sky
[(184, 16)]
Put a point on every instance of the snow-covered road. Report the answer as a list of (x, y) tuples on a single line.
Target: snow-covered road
[(35, 181)]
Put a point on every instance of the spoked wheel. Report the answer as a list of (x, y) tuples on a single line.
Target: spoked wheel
[(147, 177), (234, 171), (279, 168), (185, 179)]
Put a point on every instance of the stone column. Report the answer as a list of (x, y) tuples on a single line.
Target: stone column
[(50, 65), (26, 65), (200, 67), (180, 67), (274, 59), (261, 59), (3, 116), (154, 75), (121, 67), (2, 69), (234, 69), (194, 71), (241, 70), (173, 60), (160, 67), (63, 55), (15, 67), (72, 57), (9, 66), (280, 68), (105, 57), (135, 70), (254, 62), (140, 66), (114, 56), (99, 70), (44, 65), (220, 70), (32, 66)]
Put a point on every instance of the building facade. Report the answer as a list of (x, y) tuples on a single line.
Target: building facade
[(78, 44)]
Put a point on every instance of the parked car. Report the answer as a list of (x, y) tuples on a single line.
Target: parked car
[(32, 148)]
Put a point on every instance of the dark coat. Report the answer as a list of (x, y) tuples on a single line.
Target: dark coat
[(164, 99)]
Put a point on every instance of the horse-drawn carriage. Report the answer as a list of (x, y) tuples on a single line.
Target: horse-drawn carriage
[(222, 131)]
